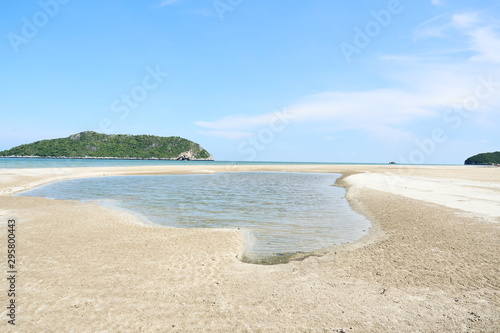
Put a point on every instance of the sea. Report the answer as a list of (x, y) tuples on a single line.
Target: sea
[(279, 213), (6, 163)]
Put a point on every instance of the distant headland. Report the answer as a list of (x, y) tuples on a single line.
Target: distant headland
[(93, 145), (484, 159)]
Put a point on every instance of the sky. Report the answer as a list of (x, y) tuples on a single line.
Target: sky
[(407, 81)]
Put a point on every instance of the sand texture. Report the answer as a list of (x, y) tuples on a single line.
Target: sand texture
[(430, 264)]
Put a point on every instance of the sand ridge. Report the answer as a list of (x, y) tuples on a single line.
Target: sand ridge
[(477, 197), (425, 267)]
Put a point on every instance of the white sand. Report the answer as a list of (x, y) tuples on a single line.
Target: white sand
[(477, 197), (425, 267)]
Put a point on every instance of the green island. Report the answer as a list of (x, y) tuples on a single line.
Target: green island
[(484, 159), (114, 146)]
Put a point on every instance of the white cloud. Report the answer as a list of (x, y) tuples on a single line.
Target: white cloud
[(361, 109), (486, 42), (438, 2), (227, 135), (389, 134), (423, 94), (205, 12), (164, 3), (355, 110), (435, 27), (238, 121), (471, 31), (465, 20), (424, 88), (329, 138)]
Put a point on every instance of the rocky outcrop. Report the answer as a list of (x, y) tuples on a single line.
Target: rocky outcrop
[(191, 155)]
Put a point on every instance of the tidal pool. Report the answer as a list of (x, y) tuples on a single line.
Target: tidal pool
[(281, 213)]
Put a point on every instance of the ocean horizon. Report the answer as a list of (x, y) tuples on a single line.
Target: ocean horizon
[(41, 162)]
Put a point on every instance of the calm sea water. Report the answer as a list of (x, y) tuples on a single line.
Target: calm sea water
[(73, 163), (282, 212)]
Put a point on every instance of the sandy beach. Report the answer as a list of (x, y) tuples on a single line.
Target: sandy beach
[(431, 262)]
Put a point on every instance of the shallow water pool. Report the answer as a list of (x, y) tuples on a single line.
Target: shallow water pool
[(282, 213)]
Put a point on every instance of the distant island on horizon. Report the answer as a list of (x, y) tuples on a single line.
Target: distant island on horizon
[(484, 159), (93, 145)]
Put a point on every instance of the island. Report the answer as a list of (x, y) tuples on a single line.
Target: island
[(93, 145), (484, 159)]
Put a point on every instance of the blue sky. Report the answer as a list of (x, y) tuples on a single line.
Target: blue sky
[(264, 80)]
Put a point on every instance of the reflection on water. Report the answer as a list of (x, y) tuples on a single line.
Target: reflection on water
[(282, 212)]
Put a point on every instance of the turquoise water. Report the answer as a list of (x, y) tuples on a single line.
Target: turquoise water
[(281, 212), (7, 163)]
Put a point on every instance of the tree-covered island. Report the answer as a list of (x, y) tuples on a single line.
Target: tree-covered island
[(120, 146), (484, 159)]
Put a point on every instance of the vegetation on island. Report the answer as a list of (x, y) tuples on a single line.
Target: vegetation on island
[(96, 145), (484, 158)]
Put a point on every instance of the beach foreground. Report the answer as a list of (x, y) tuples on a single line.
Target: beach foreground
[(430, 264)]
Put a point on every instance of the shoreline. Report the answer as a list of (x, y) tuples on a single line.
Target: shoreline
[(423, 266)]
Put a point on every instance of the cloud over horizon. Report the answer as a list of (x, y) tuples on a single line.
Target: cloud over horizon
[(423, 87)]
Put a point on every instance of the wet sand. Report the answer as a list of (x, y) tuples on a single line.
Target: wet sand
[(430, 264)]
